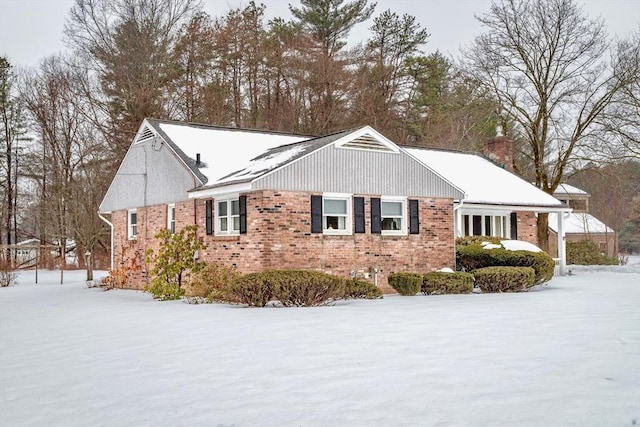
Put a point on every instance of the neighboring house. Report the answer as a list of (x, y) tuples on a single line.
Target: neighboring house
[(351, 203), (580, 224)]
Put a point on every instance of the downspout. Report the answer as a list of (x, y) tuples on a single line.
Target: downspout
[(457, 219), (110, 224)]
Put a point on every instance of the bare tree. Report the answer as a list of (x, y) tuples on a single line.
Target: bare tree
[(546, 62), (129, 45), (12, 130), (71, 157)]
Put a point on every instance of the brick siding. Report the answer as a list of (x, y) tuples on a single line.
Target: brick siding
[(279, 237)]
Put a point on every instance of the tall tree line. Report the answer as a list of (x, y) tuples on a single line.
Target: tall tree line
[(167, 59)]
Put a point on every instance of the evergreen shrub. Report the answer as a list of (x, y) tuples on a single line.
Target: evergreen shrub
[(470, 255), (587, 252), (440, 282), (290, 287), (361, 289), (407, 284), (504, 279)]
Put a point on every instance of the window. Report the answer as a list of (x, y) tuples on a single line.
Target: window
[(331, 214), (171, 218), (393, 215), (132, 223), (485, 225), (228, 216), (336, 214)]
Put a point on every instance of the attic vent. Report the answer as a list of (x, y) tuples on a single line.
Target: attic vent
[(145, 134), (367, 142)]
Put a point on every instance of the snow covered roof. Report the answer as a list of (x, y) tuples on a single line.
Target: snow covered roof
[(564, 189), (482, 181), (275, 157), (223, 151), (579, 223)]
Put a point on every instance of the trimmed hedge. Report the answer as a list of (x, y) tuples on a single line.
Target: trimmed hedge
[(504, 279), (291, 287), (470, 255), (586, 252), (440, 282), (361, 289), (407, 284)]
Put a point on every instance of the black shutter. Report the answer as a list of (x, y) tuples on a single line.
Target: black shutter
[(209, 217), (242, 201), (358, 209), (376, 216), (414, 217), (316, 214), (514, 226)]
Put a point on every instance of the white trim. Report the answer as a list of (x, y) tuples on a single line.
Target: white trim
[(230, 231), (222, 191), (348, 230), (404, 218), (367, 130), (131, 235), (170, 207)]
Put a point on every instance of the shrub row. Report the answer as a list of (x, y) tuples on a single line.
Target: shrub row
[(488, 279), (470, 256)]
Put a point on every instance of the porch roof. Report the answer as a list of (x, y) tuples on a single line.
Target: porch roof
[(485, 184)]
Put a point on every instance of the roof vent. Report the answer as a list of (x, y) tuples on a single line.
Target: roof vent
[(145, 134), (367, 142), (198, 163)]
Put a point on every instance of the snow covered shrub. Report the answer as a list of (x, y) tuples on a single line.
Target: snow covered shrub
[(7, 274), (361, 289), (407, 284), (586, 252), (300, 288), (440, 282), (471, 255), (175, 259), (504, 279), (211, 283)]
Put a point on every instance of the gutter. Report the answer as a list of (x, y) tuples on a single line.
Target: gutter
[(110, 224)]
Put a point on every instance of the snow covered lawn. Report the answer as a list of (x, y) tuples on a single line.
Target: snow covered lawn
[(566, 354)]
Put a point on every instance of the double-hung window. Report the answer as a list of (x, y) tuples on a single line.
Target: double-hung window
[(132, 223), (171, 218), (393, 213), (336, 214), (228, 216)]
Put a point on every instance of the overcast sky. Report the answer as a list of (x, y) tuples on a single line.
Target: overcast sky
[(32, 29)]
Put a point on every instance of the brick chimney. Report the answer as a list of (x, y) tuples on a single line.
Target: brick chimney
[(500, 150)]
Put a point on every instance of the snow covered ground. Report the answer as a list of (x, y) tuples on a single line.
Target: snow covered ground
[(565, 354)]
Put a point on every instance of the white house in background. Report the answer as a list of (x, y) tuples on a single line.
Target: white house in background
[(580, 224)]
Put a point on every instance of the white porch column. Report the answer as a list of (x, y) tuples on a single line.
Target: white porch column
[(562, 247), (458, 226)]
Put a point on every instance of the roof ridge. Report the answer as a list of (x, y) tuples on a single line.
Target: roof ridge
[(230, 128)]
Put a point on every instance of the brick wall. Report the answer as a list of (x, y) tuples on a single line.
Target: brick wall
[(279, 237), (527, 227)]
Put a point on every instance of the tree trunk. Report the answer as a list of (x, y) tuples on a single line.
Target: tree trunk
[(543, 231)]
